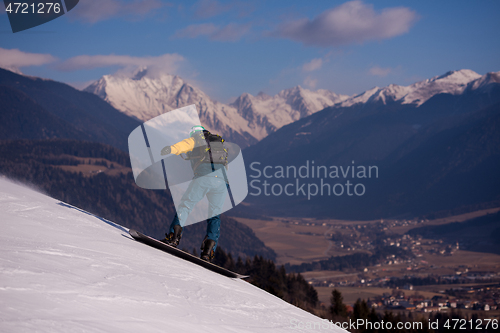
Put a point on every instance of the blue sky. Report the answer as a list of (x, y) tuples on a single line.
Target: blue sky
[(230, 47)]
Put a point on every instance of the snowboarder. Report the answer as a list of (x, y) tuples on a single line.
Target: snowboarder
[(208, 159)]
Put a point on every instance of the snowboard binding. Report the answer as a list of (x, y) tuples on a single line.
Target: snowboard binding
[(173, 238), (207, 247)]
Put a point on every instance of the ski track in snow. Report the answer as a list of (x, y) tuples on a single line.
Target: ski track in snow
[(65, 270)]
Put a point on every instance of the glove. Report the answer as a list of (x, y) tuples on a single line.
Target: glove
[(166, 150)]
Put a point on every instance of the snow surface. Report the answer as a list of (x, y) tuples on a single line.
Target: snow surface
[(65, 270)]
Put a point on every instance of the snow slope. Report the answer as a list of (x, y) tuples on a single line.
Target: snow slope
[(65, 270)]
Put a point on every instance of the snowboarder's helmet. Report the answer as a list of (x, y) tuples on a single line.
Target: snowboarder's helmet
[(195, 129)]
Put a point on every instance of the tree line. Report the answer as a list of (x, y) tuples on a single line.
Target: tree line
[(264, 274)]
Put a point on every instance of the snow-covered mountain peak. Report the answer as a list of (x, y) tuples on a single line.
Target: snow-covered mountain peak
[(452, 82), (272, 112), (462, 76), (360, 98), (150, 73), (488, 78), (263, 96), (296, 91), (293, 91), (142, 95), (140, 73)]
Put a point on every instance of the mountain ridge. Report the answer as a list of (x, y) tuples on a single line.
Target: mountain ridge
[(86, 112), (247, 120), (452, 82), (387, 135)]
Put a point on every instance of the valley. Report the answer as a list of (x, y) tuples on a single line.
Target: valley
[(432, 267), (300, 240)]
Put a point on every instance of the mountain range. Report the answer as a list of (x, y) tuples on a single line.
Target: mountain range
[(369, 128), (408, 132), (434, 150), (453, 82), (145, 95)]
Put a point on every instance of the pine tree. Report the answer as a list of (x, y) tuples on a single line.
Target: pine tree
[(337, 308)]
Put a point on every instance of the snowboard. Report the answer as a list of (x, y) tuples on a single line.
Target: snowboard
[(140, 237)]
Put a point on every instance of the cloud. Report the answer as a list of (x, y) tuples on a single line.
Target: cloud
[(384, 71), (209, 8), (379, 71), (92, 11), (228, 33), (196, 30), (313, 65), (351, 22), (310, 82), (165, 63), (14, 59), (204, 9)]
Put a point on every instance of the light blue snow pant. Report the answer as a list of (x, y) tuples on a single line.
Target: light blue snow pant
[(215, 190)]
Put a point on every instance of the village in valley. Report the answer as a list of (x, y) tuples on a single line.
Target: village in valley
[(401, 264)]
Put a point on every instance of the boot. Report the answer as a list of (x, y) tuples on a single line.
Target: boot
[(207, 247), (173, 238)]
